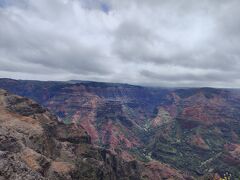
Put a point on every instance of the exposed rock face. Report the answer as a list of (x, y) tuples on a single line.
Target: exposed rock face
[(198, 142), (35, 145), (190, 129), (163, 117)]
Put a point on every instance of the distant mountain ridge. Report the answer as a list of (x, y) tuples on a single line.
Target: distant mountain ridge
[(196, 130)]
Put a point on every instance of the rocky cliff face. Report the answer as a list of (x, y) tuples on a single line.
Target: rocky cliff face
[(195, 130), (111, 114), (196, 136), (35, 145)]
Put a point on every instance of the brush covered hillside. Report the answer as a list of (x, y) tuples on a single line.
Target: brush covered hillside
[(34, 145), (193, 130)]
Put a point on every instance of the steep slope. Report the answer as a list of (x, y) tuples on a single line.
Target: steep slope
[(194, 129), (35, 145), (197, 138), (112, 114)]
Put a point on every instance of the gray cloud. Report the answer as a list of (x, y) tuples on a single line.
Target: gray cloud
[(211, 77), (164, 43)]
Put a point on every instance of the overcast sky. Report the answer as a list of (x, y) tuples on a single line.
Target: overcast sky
[(146, 42)]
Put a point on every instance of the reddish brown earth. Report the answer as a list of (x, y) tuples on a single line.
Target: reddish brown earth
[(198, 142), (112, 135), (162, 171), (34, 145), (232, 154), (189, 129)]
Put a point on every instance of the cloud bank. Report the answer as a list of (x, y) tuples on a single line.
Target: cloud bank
[(157, 43)]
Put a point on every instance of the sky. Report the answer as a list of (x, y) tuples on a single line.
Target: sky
[(168, 43)]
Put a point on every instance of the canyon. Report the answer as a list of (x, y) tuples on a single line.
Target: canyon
[(94, 130)]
